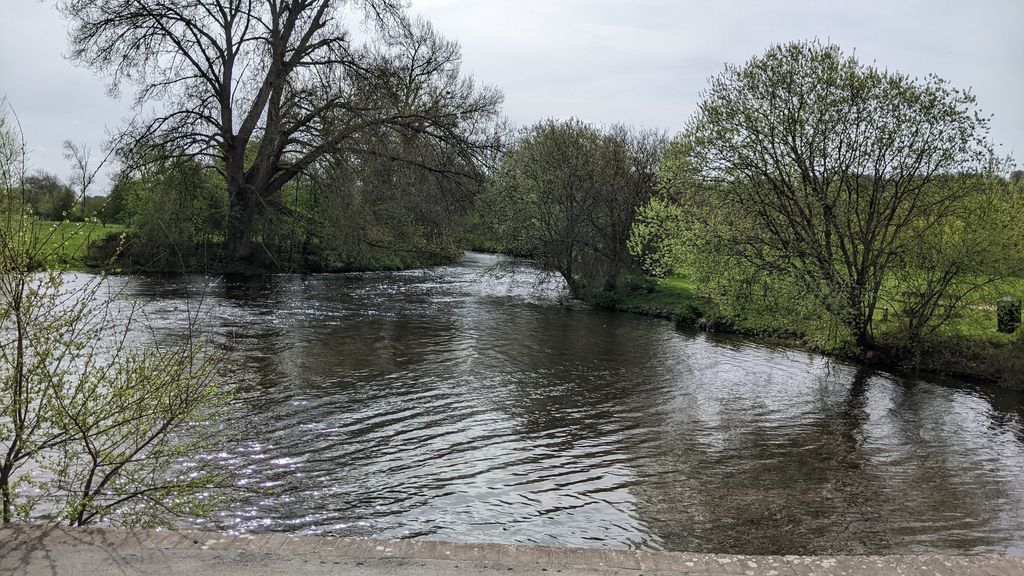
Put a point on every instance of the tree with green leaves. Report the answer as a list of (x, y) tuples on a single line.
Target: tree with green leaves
[(566, 194), (965, 261), (385, 210), (49, 198), (174, 208), (806, 162), (97, 418)]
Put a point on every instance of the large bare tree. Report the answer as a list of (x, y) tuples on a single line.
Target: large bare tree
[(266, 89)]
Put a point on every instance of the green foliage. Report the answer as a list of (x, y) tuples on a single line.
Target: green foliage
[(66, 244), (49, 198), (966, 260), (671, 297), (817, 198), (91, 207), (806, 177), (677, 241), (660, 238), (398, 205), (276, 91), (97, 421), (173, 209), (566, 194)]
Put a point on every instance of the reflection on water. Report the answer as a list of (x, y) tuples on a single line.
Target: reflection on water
[(452, 404)]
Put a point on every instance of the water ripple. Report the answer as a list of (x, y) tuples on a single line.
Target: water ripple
[(464, 403)]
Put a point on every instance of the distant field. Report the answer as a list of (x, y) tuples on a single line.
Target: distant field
[(978, 322), (67, 243)]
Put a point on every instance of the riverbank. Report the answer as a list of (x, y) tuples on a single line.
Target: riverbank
[(972, 353), (30, 550), (65, 243), (969, 349), (94, 247)]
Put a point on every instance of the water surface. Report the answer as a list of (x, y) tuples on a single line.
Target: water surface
[(453, 404)]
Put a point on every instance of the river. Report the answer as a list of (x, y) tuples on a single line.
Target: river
[(463, 404)]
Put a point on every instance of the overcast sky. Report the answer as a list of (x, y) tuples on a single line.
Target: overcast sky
[(641, 62)]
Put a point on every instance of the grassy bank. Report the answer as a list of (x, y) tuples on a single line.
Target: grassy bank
[(969, 346), (666, 298), (66, 244)]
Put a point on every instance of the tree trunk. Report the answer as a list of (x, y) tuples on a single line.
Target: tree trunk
[(862, 333), (241, 220), (859, 311), (5, 495)]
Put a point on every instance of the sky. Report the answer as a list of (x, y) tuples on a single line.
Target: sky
[(638, 62)]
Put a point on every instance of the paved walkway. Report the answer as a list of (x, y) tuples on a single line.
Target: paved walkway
[(58, 551)]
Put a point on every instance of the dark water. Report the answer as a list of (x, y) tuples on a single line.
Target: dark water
[(451, 404)]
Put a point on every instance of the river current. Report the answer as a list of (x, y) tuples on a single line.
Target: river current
[(468, 403)]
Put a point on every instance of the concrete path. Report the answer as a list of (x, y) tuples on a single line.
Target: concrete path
[(58, 551)]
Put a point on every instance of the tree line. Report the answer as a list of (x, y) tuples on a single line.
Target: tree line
[(838, 191), (279, 141), (286, 144), (809, 195), (272, 95)]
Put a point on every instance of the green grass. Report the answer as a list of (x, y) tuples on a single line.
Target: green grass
[(968, 345), (978, 325), (667, 297), (67, 243), (976, 322), (678, 295)]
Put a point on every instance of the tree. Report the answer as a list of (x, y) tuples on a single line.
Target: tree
[(49, 198), (566, 194), (174, 208), (384, 210), (266, 90), (806, 162), (83, 170), (963, 261), (96, 418)]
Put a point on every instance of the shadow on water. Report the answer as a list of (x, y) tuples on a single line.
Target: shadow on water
[(452, 403)]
